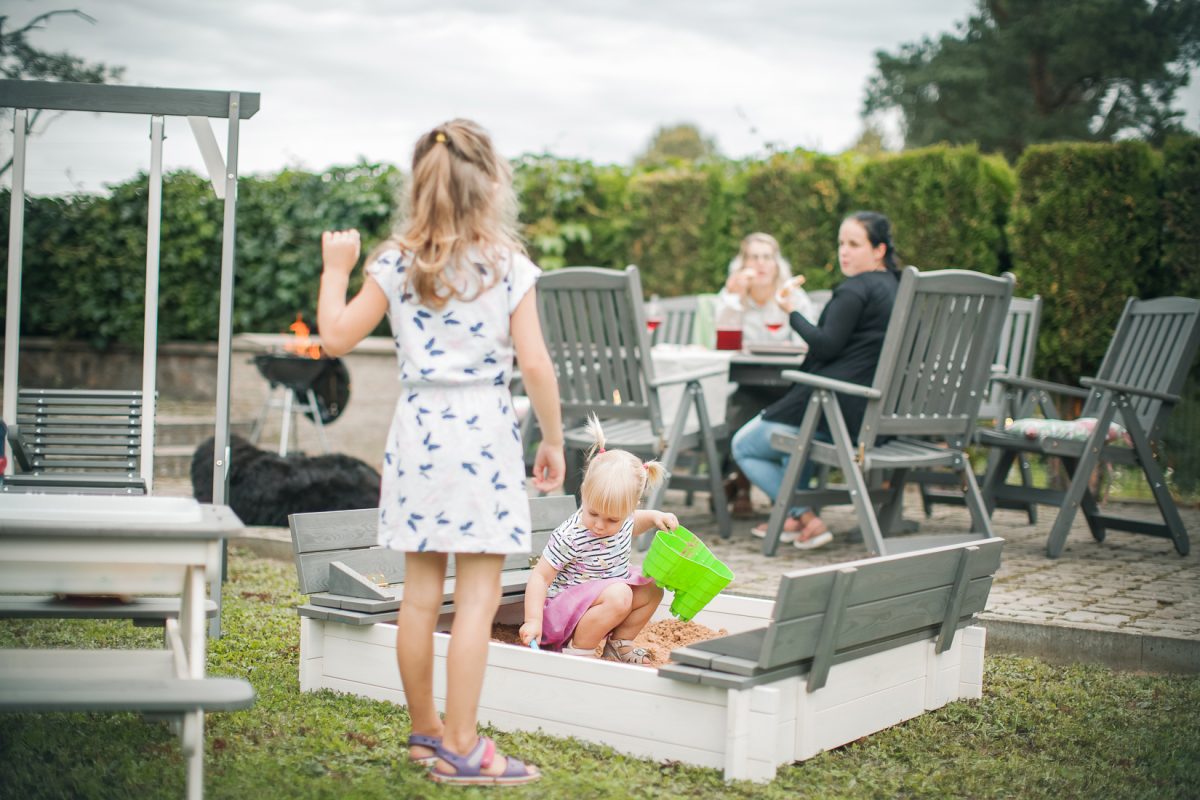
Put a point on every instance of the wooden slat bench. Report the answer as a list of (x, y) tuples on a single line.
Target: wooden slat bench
[(77, 441), (857, 647), (157, 683), (350, 578)]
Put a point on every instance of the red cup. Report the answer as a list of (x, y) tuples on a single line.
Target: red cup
[(729, 338)]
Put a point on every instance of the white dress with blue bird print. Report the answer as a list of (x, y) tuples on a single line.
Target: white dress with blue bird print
[(454, 471)]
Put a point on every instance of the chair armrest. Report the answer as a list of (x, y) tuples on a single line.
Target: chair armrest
[(690, 375), (819, 382), (1124, 388), (1045, 386)]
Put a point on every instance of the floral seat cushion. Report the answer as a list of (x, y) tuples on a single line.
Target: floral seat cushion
[(1069, 429)]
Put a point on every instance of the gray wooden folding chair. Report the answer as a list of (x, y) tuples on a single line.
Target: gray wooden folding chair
[(921, 408), (595, 330), (678, 320), (1137, 385), (1004, 401)]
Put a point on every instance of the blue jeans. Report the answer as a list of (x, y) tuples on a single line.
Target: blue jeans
[(763, 464)]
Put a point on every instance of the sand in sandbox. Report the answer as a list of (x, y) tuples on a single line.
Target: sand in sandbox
[(659, 638)]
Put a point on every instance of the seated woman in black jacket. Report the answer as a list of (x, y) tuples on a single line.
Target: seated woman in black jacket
[(844, 344)]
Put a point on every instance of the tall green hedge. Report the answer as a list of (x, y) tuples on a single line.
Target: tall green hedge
[(947, 205), (1181, 216), (679, 229), (84, 259), (1084, 226), (572, 212), (1084, 230), (798, 199)]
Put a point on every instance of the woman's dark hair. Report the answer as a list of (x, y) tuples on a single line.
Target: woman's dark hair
[(879, 231)]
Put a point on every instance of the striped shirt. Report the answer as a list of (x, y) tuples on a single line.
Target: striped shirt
[(581, 556)]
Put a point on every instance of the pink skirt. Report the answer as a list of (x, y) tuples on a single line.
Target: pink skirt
[(561, 613)]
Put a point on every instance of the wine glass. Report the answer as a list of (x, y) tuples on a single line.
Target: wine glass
[(773, 320), (654, 314)]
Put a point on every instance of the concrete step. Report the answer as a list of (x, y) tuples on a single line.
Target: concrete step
[(176, 437), (174, 429), (173, 460)]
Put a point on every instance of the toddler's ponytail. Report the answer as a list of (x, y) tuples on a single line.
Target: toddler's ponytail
[(655, 473), (596, 434)]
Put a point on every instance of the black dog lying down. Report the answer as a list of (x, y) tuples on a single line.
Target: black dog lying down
[(265, 487)]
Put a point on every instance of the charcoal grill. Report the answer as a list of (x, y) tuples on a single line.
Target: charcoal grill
[(317, 387)]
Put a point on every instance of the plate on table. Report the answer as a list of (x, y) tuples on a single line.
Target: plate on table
[(777, 349)]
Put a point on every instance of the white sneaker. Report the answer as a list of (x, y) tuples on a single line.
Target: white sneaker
[(812, 543), (760, 532)]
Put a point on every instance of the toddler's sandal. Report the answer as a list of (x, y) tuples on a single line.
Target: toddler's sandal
[(421, 740), (635, 655), (469, 769)]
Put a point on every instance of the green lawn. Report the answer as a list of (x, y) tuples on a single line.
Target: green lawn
[(1039, 731)]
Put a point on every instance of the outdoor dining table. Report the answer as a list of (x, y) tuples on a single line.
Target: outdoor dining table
[(764, 367)]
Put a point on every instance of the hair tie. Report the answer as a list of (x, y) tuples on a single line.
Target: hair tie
[(599, 450), (440, 137), (645, 466)]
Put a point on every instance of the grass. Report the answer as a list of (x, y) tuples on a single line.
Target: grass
[(1039, 731)]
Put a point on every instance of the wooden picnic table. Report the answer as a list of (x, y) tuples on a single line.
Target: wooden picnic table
[(115, 546)]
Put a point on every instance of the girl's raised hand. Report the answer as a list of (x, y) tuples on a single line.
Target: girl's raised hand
[(340, 250)]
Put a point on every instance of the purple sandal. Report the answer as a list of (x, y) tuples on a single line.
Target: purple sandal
[(421, 740), (468, 769)]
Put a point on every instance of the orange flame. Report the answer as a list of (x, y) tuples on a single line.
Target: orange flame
[(302, 345)]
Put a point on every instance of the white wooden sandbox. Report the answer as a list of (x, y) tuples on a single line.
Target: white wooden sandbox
[(748, 733)]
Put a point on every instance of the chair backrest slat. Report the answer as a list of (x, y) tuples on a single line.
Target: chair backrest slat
[(1152, 348), (1016, 350), (937, 354), (594, 325), (678, 320)]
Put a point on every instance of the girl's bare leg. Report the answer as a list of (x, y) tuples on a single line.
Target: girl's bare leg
[(609, 608), (423, 577), (646, 598), (476, 598)]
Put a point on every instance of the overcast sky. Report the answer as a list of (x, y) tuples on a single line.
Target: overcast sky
[(363, 78)]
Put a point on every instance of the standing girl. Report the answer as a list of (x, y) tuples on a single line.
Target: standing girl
[(459, 294), (581, 592)]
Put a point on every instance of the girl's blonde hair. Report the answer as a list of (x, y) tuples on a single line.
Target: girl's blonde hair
[(460, 197), (758, 237), (615, 480)]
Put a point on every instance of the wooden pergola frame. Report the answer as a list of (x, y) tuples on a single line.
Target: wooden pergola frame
[(198, 106)]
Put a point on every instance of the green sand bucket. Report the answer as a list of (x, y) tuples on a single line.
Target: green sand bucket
[(681, 563)]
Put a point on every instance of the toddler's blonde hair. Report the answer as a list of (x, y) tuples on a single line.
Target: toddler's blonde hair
[(460, 196), (615, 480)]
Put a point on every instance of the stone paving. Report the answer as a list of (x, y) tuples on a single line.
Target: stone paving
[(1130, 601)]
